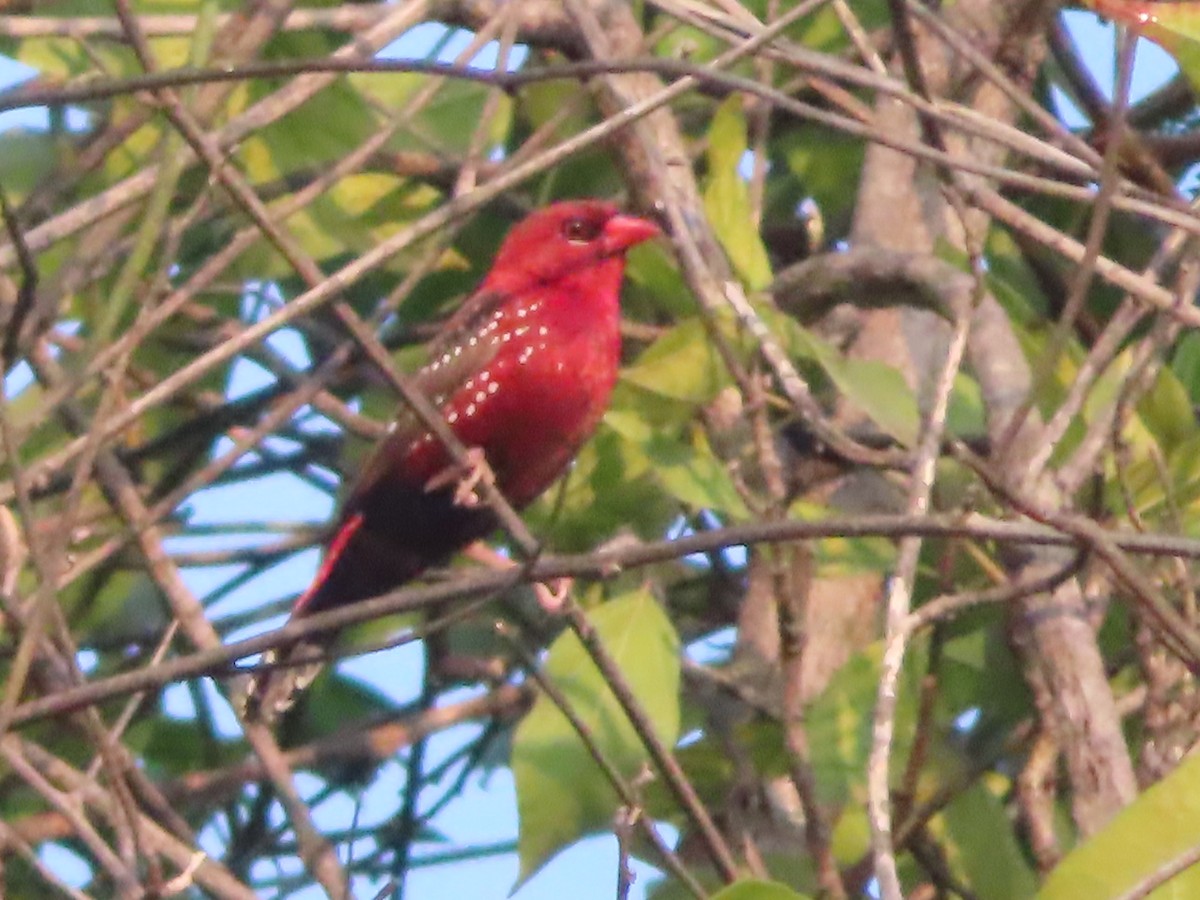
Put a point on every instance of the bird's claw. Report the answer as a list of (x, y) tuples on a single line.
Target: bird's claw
[(465, 477), (551, 595)]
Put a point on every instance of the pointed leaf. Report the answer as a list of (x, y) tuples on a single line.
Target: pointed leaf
[(981, 848), (562, 794), (1150, 836), (1173, 26), (727, 199), (688, 469), (876, 388), (757, 890), (682, 364)]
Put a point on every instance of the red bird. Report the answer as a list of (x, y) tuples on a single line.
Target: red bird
[(521, 372)]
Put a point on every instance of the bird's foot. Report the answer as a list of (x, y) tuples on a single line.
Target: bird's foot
[(465, 477), (550, 595)]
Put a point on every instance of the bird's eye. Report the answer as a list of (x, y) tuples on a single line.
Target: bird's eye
[(581, 231)]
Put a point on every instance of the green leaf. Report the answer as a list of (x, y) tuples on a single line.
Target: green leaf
[(1012, 280), (981, 848), (1148, 837), (654, 286), (1143, 481), (177, 748), (610, 488), (554, 104), (839, 721), (693, 474), (688, 469), (845, 555), (966, 415), (1166, 410), (331, 702), (335, 222), (727, 199), (1173, 26), (59, 57), (447, 122), (851, 837), (26, 157), (978, 670), (328, 125), (757, 890), (682, 365), (562, 794), (827, 165), (690, 43), (128, 608), (1186, 364), (876, 388)]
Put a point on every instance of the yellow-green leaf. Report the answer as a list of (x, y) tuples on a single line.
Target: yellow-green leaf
[(876, 388), (727, 199), (757, 890), (682, 365), (1173, 26), (562, 794), (1148, 837)]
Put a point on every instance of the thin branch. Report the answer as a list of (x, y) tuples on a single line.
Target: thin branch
[(26, 298), (350, 18), (126, 881), (601, 564), (898, 604), (1175, 631), (1084, 273), (208, 874)]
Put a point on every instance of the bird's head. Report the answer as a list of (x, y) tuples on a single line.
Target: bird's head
[(565, 240)]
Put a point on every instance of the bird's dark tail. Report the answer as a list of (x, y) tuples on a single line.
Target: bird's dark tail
[(284, 674)]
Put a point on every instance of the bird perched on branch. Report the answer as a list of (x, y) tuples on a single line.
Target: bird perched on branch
[(521, 374)]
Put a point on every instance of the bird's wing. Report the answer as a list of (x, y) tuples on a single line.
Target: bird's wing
[(470, 318), (453, 359), (385, 495)]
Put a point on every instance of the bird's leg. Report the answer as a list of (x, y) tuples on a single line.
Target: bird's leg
[(550, 596), (465, 477)]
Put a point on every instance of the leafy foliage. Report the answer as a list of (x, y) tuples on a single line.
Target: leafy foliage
[(562, 794), (184, 402)]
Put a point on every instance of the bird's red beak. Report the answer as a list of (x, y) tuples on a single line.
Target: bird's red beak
[(622, 231)]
